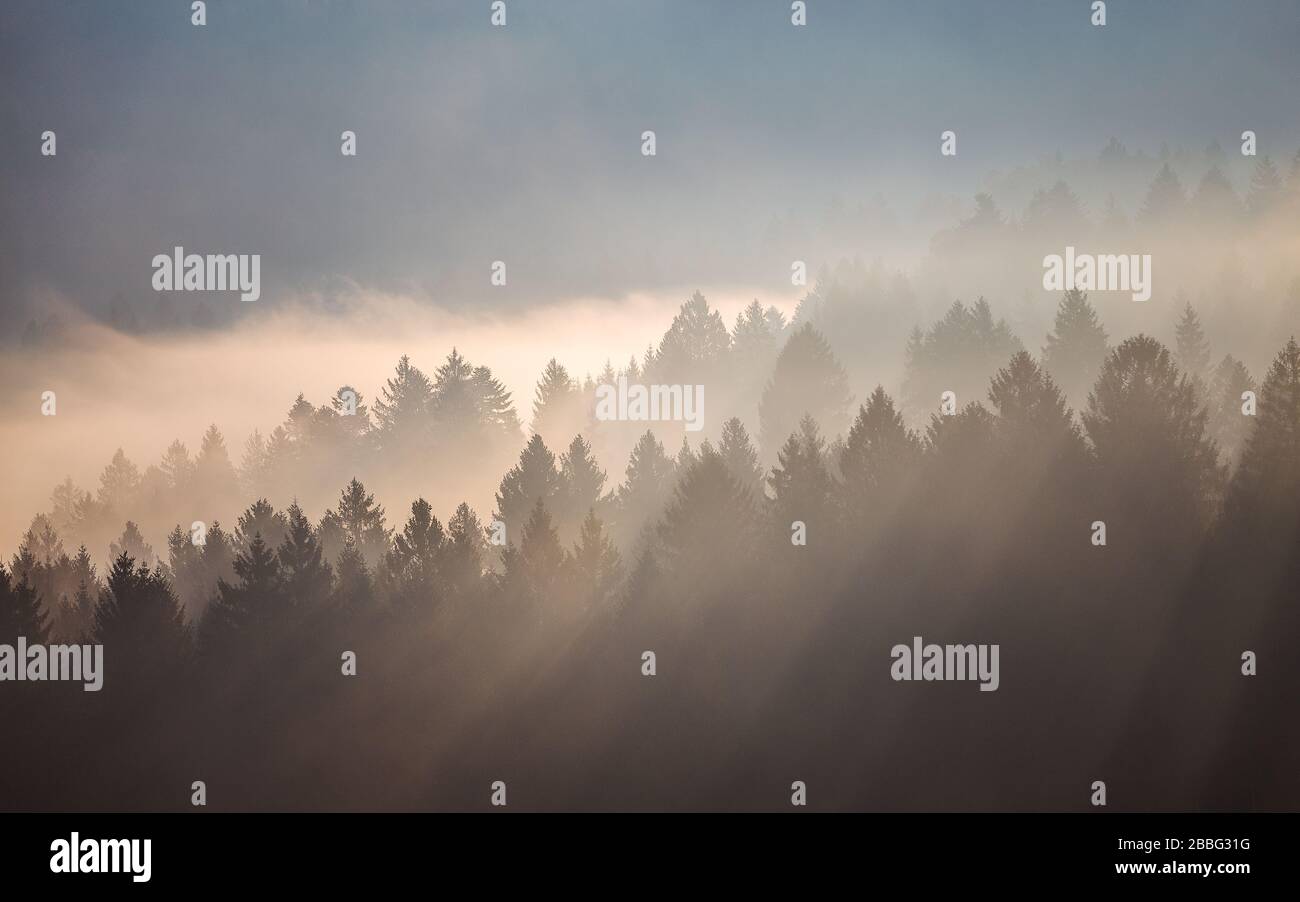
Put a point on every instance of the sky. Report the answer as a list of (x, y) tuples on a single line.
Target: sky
[(522, 143)]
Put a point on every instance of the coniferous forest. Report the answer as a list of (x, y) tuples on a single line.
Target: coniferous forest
[(662, 406), (510, 644)]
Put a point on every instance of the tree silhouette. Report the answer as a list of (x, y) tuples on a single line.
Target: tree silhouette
[(1228, 425), (958, 353), (559, 408), (20, 611), (1149, 437), (879, 457), (1192, 351), (356, 520), (140, 623), (595, 569), (582, 486), (1165, 200), (807, 380), (1076, 346), (738, 454), (646, 488), (802, 488), (414, 561), (533, 479)]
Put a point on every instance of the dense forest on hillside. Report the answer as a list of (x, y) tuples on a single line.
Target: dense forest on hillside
[(510, 644)]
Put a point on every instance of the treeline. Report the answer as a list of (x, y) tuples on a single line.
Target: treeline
[(769, 596)]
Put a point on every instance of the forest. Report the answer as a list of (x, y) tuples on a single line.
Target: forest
[(511, 644)]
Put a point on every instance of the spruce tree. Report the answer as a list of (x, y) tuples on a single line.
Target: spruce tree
[(1076, 346)]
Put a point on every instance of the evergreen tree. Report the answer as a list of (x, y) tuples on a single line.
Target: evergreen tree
[(582, 485), (1265, 188), (1265, 490), (133, 545), (249, 616), (740, 457), (807, 380), (357, 520), (261, 519), (708, 529), (20, 611), (1148, 432), (646, 488), (958, 353), (1215, 202), (215, 479), (140, 623), (802, 487), (694, 349), (305, 573), (463, 555), (558, 409), (1192, 351), (879, 457), (1165, 200), (403, 410), (533, 569), (1076, 346), (414, 561), (595, 567), (1228, 426), (533, 479)]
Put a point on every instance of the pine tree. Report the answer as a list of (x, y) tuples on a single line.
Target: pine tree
[(1265, 188), (306, 574), (215, 479), (694, 349), (958, 353), (261, 519), (1228, 426), (708, 529), (582, 486), (118, 484), (414, 561), (1039, 440), (249, 616), (1165, 200), (463, 554), (140, 623), (357, 520), (595, 567), (20, 611), (188, 578), (558, 410), (1215, 202), (1076, 347), (1148, 432), (740, 457), (880, 455), (802, 487), (1192, 351), (533, 569), (403, 410), (177, 466), (133, 544), (1268, 476), (646, 488), (807, 380), (533, 479)]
